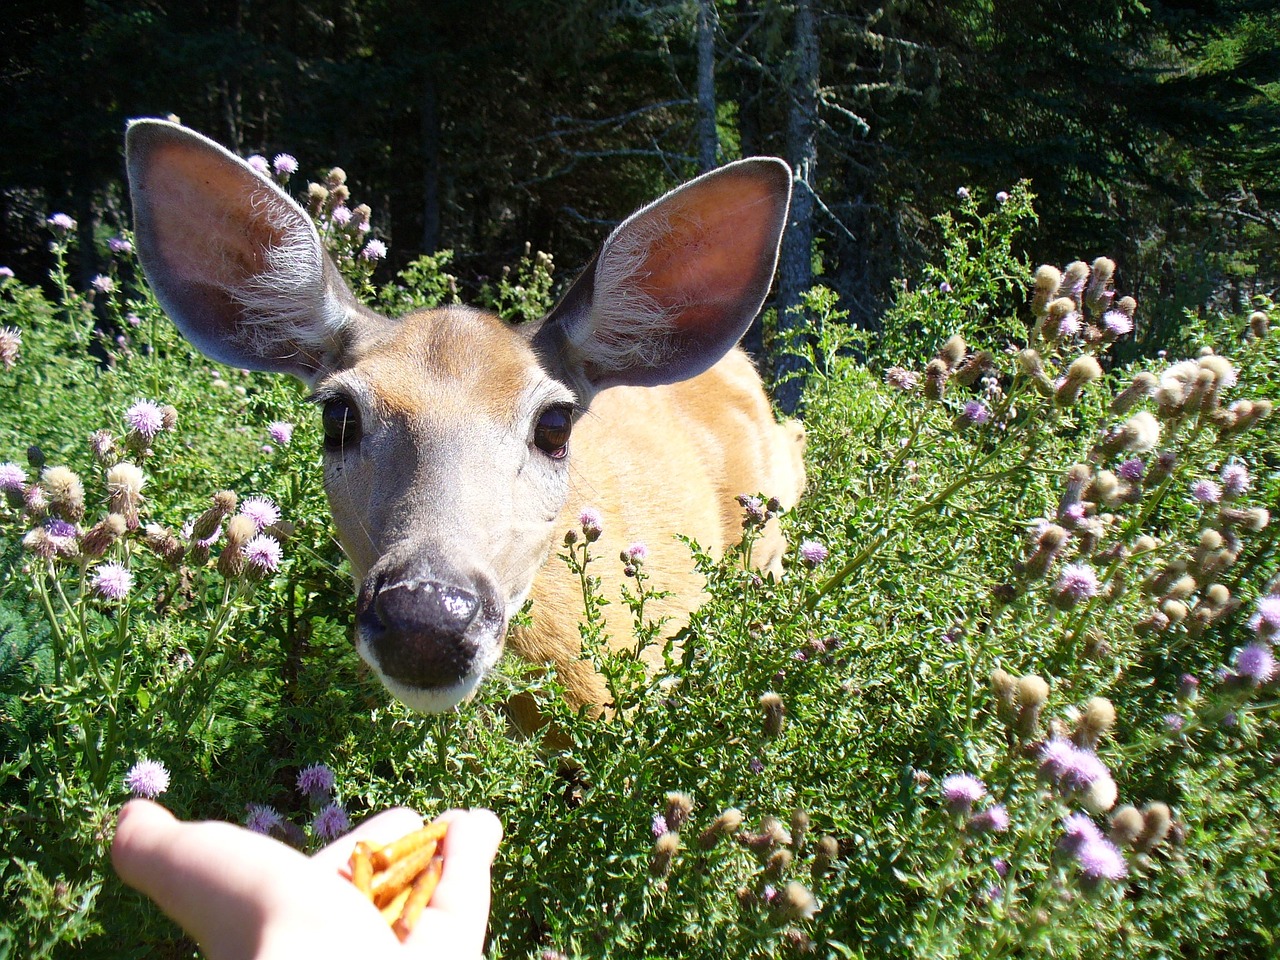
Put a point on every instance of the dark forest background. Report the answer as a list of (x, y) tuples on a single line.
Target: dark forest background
[(1149, 131)]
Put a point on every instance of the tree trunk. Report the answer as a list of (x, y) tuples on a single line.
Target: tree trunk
[(430, 161), (795, 265), (708, 142)]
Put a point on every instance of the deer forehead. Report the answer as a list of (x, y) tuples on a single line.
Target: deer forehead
[(451, 363)]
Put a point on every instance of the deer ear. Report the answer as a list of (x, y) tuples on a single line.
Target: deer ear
[(232, 258), (676, 285)]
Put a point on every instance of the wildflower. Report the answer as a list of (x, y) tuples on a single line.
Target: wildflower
[(961, 791), (935, 379), (679, 808), (722, 826), (1077, 582), (636, 552), (953, 351), (119, 245), (10, 344), (331, 822), (1047, 281), (1116, 323), (316, 780), (976, 412), (812, 552), (1157, 820), (994, 819), (65, 491), (103, 445), (1032, 694), (901, 379), (147, 778), (6, 273), (374, 250), (262, 553), (164, 544), (285, 165), (1100, 860), (281, 432), (1074, 278), (1098, 717), (659, 825), (962, 193), (1206, 491), (12, 477), (1126, 826), (796, 902), (1255, 664), (102, 535), (591, 523), (341, 215), (60, 223), (112, 580), (664, 853), (1235, 479), (1078, 829), (145, 418), (755, 765), (103, 284), (1140, 433), (1083, 370), (240, 530), (774, 709), (1259, 325), (124, 490), (1266, 619), (261, 510), (261, 818), (1131, 470), (1002, 196), (133, 319), (258, 163), (944, 287)]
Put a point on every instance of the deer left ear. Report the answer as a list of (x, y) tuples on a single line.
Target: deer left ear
[(676, 285)]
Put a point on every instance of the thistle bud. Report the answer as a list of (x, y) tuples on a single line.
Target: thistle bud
[(317, 197), (773, 709), (1062, 320), (65, 492), (1033, 692), (796, 902), (164, 544), (679, 807), (799, 827), (727, 823), (38, 543), (1005, 688), (103, 446), (124, 491), (240, 530), (1259, 325), (1047, 281), (1182, 588), (1126, 826), (1031, 365), (1128, 306), (231, 560), (339, 196), (1083, 370), (1097, 294), (1098, 717), (972, 368), (168, 417), (664, 854), (777, 863), (102, 535), (1074, 278), (935, 379), (1143, 385), (1175, 610), (825, 856), (1157, 819), (224, 503)]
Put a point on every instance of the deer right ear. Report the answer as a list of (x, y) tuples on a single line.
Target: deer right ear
[(232, 258)]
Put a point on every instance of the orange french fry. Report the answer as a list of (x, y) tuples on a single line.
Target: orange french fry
[(391, 912), (399, 849), (388, 884), (419, 897), (362, 868)]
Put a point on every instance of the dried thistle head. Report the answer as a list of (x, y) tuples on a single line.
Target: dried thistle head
[(1126, 826), (953, 352), (1047, 281), (664, 854), (65, 492), (774, 710), (1097, 718), (1157, 820), (725, 824), (679, 808)]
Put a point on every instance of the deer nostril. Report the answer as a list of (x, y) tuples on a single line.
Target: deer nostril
[(425, 607)]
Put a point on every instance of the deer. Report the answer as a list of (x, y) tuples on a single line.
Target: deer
[(458, 449)]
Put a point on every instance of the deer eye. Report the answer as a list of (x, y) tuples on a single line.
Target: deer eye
[(551, 432), (340, 420)]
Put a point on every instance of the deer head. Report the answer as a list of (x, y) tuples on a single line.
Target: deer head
[(448, 450)]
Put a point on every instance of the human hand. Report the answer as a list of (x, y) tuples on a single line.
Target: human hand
[(243, 895)]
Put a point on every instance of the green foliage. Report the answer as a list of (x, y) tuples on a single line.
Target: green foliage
[(797, 738)]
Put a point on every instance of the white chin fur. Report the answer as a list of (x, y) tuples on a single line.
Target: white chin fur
[(436, 700)]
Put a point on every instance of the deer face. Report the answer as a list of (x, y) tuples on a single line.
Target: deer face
[(448, 450)]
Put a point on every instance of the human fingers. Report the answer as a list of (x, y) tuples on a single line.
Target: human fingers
[(459, 911), (382, 828)]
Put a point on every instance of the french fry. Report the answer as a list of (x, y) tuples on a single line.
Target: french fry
[(399, 849), (391, 912), (400, 874), (362, 867), (419, 897)]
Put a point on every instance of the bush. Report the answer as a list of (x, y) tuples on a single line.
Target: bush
[(1013, 696)]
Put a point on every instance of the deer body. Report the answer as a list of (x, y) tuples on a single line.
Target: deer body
[(459, 450)]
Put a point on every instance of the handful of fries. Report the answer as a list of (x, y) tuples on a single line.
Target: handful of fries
[(400, 877)]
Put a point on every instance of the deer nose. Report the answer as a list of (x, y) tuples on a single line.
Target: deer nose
[(425, 633)]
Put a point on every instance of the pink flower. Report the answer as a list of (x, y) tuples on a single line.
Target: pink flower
[(590, 522), (281, 431), (258, 163), (112, 580), (1100, 859), (331, 822), (1077, 582), (1117, 323), (374, 250), (341, 215), (147, 778), (812, 552), (103, 284), (61, 223), (12, 477), (285, 164), (262, 553), (637, 551), (119, 245), (1206, 491), (261, 511), (316, 779), (994, 819), (961, 791), (261, 818), (145, 417)]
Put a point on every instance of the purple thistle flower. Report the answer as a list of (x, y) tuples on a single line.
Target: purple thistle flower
[(962, 193), (944, 287), (1070, 325), (281, 431), (145, 417), (590, 521), (315, 780), (1117, 323), (112, 580), (263, 553), (147, 778), (374, 250), (961, 791), (636, 552), (341, 215), (259, 164), (1235, 479), (1082, 769), (901, 379), (103, 283), (285, 164), (1174, 722), (994, 819), (1131, 470), (61, 223), (119, 245), (12, 477), (1078, 830), (262, 818), (1002, 196), (133, 319), (1055, 756), (813, 552), (60, 529), (1101, 859), (262, 511), (331, 822), (755, 765), (1266, 619), (1001, 867), (1255, 663), (1077, 582), (659, 825), (1206, 491), (976, 412), (6, 273)]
